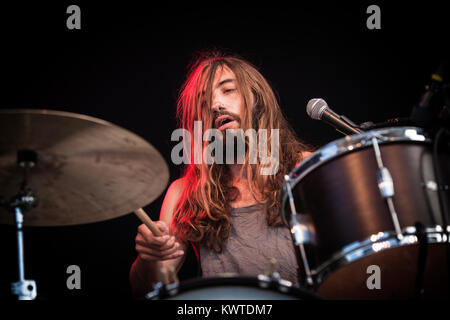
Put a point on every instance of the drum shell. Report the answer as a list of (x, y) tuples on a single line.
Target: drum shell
[(344, 202)]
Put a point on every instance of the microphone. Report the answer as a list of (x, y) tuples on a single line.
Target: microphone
[(318, 109)]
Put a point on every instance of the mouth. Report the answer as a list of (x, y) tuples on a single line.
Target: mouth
[(223, 122)]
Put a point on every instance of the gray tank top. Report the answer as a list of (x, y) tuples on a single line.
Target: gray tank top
[(250, 247)]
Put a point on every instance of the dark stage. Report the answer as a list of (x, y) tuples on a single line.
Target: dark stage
[(127, 62)]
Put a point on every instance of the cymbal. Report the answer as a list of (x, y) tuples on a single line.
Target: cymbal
[(87, 169)]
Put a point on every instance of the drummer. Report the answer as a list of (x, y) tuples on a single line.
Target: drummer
[(229, 212)]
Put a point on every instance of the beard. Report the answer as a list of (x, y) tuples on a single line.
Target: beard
[(234, 143), (227, 147)]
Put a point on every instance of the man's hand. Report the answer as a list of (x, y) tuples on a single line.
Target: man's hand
[(151, 248)]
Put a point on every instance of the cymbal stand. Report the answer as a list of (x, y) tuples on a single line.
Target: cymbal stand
[(23, 201)]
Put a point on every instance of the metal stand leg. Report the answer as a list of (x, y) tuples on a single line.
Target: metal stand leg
[(24, 289), (20, 203)]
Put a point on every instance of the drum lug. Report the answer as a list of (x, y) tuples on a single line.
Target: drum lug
[(385, 183), (302, 229), (386, 186), (433, 186), (155, 293), (299, 231), (275, 280), (161, 290)]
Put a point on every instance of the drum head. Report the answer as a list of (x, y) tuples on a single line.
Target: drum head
[(234, 288)]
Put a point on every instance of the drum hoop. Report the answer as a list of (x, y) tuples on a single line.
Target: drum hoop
[(353, 143), (376, 243), (347, 145), (261, 282)]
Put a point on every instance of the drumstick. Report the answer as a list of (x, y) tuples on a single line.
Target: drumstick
[(140, 213)]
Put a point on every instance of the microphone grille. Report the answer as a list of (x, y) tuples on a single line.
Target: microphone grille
[(315, 108)]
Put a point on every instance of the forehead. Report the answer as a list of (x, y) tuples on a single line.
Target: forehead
[(223, 73)]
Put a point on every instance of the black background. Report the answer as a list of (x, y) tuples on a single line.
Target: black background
[(128, 61)]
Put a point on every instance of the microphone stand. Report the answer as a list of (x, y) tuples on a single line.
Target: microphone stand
[(437, 122), (442, 191)]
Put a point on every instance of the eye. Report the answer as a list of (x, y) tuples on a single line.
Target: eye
[(228, 90)]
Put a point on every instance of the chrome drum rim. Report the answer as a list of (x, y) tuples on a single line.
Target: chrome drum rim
[(374, 244), (356, 142)]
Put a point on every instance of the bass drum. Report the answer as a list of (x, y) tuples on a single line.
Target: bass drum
[(231, 288), (358, 244)]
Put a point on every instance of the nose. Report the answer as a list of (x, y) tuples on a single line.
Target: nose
[(218, 107)]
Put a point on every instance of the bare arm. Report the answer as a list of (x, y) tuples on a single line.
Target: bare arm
[(155, 253)]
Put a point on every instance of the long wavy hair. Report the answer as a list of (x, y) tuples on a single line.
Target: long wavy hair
[(202, 214)]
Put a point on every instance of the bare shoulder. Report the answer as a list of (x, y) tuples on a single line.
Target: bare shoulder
[(305, 154), (171, 198), (176, 187)]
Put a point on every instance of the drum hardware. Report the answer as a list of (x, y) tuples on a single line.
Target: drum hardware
[(317, 186), (274, 281), (167, 287), (89, 170), (393, 122), (350, 143), (22, 202), (158, 289), (299, 232), (431, 185), (271, 277), (86, 166), (386, 186), (261, 287), (170, 287), (376, 243)]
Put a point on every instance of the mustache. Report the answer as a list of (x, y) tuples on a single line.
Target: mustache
[(218, 114)]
